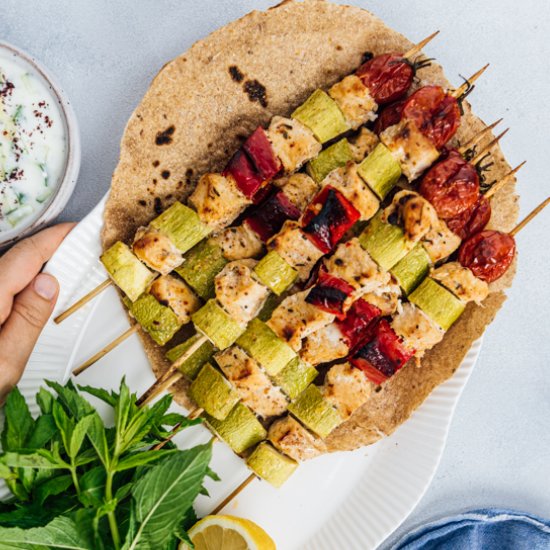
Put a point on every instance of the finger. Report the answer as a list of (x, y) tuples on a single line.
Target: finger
[(31, 309), (23, 262)]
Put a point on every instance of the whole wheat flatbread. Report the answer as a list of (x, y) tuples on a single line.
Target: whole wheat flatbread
[(202, 105)]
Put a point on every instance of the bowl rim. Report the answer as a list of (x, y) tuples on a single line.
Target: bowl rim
[(67, 182)]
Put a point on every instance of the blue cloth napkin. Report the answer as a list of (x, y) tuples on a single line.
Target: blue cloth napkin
[(489, 529)]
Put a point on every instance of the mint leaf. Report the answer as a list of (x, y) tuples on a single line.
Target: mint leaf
[(98, 437), (71, 400), (41, 459), (18, 424), (78, 435), (164, 495), (44, 430), (107, 397), (60, 533), (92, 487), (44, 400), (140, 459), (51, 487)]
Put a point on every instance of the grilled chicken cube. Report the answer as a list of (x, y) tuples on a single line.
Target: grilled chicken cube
[(175, 294), (292, 142), (413, 213), (418, 331), (156, 250), (354, 100), (238, 243), (295, 319), (293, 245), (291, 438), (324, 345), (412, 149), (239, 292), (346, 388), (387, 300), (299, 188), (218, 200), (352, 263), (440, 242), (461, 282), (351, 185), (251, 382), (363, 144)]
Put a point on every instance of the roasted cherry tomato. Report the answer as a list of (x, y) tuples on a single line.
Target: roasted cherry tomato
[(388, 77), (267, 218), (327, 218), (330, 294), (358, 324), (451, 185), (389, 116), (383, 356), (488, 254), (471, 221), (435, 113)]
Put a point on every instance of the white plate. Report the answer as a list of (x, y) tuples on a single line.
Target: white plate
[(345, 500)]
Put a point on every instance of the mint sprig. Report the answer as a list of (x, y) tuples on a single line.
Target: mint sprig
[(77, 483)]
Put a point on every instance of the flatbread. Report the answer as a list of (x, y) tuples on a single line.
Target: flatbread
[(204, 103)]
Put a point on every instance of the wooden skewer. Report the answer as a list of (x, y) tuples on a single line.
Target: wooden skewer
[(484, 150), (529, 217), (467, 85), (87, 364), (233, 494), (500, 184), (416, 49), (171, 376), (478, 137), (83, 301)]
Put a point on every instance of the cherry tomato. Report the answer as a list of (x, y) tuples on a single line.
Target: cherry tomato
[(388, 77), (451, 185), (488, 254), (389, 116), (435, 113), (471, 221)]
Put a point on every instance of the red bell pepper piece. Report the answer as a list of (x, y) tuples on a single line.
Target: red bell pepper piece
[(327, 218), (241, 168), (261, 153), (359, 322), (383, 356), (329, 294), (268, 218)]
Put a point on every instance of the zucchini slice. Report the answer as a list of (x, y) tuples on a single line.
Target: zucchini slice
[(275, 273), (271, 465), (335, 156), (127, 272), (321, 114), (262, 344), (212, 392), (315, 412), (296, 377), (380, 171), (240, 429), (411, 270), (192, 365), (216, 324)]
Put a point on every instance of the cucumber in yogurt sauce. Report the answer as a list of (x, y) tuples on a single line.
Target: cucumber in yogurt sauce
[(33, 144)]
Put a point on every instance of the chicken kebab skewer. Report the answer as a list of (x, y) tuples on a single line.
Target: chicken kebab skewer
[(412, 216), (367, 184), (284, 147), (440, 299), (170, 301)]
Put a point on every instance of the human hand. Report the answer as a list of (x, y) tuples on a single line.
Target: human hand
[(27, 299)]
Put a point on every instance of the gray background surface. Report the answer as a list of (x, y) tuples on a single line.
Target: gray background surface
[(106, 52)]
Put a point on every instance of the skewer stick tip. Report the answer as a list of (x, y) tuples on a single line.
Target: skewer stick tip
[(467, 86), (233, 494), (485, 149), (417, 47), (529, 217), (82, 302), (500, 184)]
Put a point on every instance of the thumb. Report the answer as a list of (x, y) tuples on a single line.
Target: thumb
[(31, 310)]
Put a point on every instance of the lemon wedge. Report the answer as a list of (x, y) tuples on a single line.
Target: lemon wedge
[(228, 533)]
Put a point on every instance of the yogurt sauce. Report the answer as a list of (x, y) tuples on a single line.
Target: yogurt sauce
[(33, 144)]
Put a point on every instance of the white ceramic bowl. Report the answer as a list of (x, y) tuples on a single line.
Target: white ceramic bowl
[(65, 187)]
